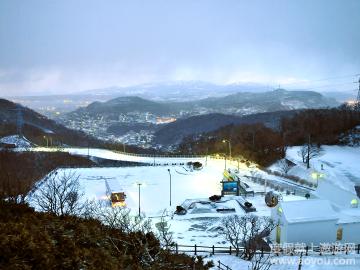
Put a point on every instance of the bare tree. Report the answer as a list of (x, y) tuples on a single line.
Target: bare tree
[(261, 262), (60, 194), (247, 232), (164, 234), (303, 153), (312, 151), (120, 218), (308, 152), (284, 166)]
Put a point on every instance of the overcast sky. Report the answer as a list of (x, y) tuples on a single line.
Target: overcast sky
[(72, 45)]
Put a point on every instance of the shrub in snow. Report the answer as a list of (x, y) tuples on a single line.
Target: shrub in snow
[(215, 198)]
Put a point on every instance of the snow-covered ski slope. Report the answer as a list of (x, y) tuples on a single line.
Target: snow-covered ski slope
[(341, 166), (108, 154)]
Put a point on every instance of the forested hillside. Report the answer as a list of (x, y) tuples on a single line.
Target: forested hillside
[(264, 145)]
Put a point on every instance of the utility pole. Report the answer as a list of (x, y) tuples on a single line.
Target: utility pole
[(19, 120), (170, 184), (88, 147), (308, 152), (47, 141), (139, 185)]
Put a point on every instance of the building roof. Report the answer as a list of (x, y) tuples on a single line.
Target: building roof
[(338, 196), (308, 211), (350, 215)]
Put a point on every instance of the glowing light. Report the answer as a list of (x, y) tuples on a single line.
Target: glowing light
[(354, 202), (351, 102), (118, 204)]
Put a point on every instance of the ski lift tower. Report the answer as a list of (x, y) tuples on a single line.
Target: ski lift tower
[(358, 98), (19, 120)]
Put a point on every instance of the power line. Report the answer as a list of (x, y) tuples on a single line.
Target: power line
[(329, 85), (323, 79)]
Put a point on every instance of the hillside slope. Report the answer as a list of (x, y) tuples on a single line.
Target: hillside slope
[(173, 133), (37, 127)]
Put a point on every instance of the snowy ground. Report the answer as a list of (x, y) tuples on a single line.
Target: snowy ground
[(339, 262), (186, 184), (340, 167)]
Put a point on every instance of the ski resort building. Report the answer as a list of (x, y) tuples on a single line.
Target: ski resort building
[(115, 192), (315, 221)]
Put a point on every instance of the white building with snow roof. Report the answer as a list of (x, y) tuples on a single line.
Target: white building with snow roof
[(315, 221)]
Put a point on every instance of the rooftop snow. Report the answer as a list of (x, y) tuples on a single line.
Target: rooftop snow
[(308, 210), (17, 140)]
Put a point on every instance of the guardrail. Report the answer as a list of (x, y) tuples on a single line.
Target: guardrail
[(157, 155)]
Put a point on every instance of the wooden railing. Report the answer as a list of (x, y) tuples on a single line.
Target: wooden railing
[(221, 266), (199, 249)]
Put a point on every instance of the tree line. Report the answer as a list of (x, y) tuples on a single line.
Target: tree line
[(256, 142)]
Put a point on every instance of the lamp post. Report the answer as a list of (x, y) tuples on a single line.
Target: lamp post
[(139, 185), (229, 144), (317, 175), (47, 141), (170, 184)]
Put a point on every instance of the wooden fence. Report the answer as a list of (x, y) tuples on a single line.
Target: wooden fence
[(221, 266), (308, 250)]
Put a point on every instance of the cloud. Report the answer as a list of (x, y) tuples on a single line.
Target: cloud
[(68, 46)]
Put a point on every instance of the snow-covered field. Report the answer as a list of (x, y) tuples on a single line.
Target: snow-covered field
[(200, 228), (341, 165), (340, 168)]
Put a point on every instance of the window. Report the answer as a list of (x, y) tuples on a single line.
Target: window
[(339, 234), (278, 234)]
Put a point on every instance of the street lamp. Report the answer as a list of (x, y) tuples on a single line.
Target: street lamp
[(139, 185), (47, 141), (317, 175), (170, 185), (229, 144)]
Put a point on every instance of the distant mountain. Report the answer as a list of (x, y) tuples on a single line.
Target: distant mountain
[(178, 90), (242, 103), (126, 105), (174, 133)]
